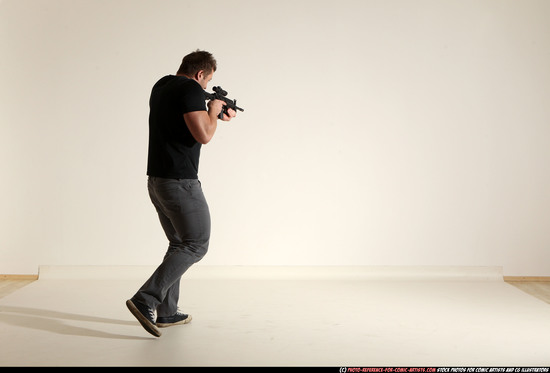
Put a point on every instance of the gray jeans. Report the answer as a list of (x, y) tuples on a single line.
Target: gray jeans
[(185, 218)]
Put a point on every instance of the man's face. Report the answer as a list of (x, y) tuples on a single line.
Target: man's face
[(204, 79)]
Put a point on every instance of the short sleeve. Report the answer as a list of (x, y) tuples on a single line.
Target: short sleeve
[(193, 98)]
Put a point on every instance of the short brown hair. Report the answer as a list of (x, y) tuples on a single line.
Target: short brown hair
[(197, 61)]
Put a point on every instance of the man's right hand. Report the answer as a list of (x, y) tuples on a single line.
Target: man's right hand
[(215, 107)]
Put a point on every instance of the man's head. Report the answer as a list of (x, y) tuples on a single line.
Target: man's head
[(198, 65)]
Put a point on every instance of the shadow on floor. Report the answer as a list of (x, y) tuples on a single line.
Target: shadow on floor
[(55, 322)]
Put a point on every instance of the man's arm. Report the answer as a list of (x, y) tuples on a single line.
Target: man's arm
[(203, 124)]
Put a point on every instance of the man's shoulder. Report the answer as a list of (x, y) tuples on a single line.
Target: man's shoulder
[(178, 85), (164, 80), (175, 80), (187, 82)]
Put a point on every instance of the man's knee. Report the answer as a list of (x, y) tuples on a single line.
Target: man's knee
[(195, 249)]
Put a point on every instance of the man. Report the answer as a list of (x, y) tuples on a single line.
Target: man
[(179, 124)]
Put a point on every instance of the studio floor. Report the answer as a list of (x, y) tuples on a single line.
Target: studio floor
[(280, 316)]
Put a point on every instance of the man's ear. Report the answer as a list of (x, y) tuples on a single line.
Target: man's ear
[(199, 75)]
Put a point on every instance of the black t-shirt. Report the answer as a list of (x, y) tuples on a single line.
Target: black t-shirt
[(173, 152)]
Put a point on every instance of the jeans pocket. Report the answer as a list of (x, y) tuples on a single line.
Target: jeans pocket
[(186, 184)]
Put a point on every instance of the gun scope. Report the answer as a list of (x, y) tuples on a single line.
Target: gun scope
[(219, 91)]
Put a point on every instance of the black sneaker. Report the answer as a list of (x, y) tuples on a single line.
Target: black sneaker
[(144, 315), (177, 319)]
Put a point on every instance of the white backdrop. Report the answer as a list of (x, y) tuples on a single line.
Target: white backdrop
[(387, 132)]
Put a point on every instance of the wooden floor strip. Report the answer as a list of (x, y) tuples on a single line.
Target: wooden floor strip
[(526, 279)]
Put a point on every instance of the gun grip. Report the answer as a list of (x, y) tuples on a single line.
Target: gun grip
[(224, 111)]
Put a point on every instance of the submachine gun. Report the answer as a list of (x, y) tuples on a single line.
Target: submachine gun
[(220, 94)]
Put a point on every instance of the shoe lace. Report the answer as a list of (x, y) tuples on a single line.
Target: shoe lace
[(178, 312)]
